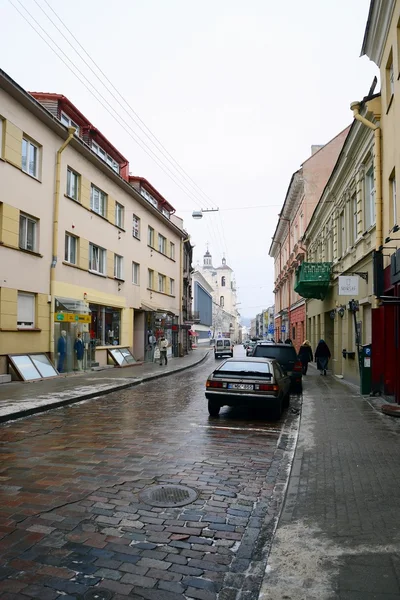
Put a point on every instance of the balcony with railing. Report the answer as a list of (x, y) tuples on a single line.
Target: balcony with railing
[(191, 316), (312, 279)]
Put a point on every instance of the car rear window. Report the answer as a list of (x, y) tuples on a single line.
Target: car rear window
[(281, 354), (227, 342), (245, 365)]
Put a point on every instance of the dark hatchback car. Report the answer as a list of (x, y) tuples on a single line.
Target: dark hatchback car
[(257, 382), (286, 356)]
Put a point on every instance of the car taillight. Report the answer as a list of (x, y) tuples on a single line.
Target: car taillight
[(298, 366), (214, 384), (267, 387)]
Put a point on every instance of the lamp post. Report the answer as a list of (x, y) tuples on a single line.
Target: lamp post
[(198, 214)]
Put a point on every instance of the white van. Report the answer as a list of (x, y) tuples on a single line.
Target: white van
[(223, 346)]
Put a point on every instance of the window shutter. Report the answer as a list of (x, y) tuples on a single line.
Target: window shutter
[(26, 309)]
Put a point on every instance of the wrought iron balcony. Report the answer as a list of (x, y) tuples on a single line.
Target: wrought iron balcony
[(312, 279), (192, 316)]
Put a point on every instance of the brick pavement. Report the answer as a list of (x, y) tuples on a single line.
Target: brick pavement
[(72, 517), (339, 533), (19, 399)]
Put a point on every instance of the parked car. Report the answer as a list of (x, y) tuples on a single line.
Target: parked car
[(250, 347), (223, 346), (286, 356), (248, 381)]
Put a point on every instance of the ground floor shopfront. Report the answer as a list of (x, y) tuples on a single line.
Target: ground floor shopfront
[(291, 324)]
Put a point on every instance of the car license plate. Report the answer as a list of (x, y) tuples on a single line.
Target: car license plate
[(240, 386)]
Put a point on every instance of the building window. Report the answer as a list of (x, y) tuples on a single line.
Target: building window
[(150, 237), (135, 227), (105, 327), (118, 267), (135, 273), (330, 248), (342, 225), (149, 197), (30, 157), (119, 215), (162, 244), (161, 283), (66, 120), (97, 259), (72, 184), (172, 250), (172, 287), (389, 78), (393, 198), (223, 281), (27, 232), (369, 205), (1, 137), (151, 279), (98, 201), (222, 301), (71, 244), (26, 311), (354, 217), (106, 157)]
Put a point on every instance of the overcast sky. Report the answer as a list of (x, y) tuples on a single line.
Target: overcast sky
[(237, 92)]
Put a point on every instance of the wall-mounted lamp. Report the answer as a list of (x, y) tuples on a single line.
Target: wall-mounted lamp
[(340, 311), (84, 295), (332, 314)]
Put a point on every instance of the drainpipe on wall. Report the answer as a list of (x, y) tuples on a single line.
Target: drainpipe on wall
[(180, 335), (56, 211)]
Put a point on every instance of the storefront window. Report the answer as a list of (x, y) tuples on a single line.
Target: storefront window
[(105, 327)]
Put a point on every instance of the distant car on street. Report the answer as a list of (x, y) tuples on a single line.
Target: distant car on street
[(286, 356), (248, 381), (223, 346), (249, 348)]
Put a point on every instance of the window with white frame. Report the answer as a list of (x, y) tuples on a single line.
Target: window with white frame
[(149, 197), (150, 237), (66, 120), (369, 201), (1, 137), (119, 215), (342, 233), (30, 157), (330, 247), (73, 184), (97, 259), (393, 198), (172, 250), (161, 283), (26, 311), (151, 279), (118, 267), (354, 217), (135, 273), (71, 249), (135, 227), (172, 287), (98, 201), (28, 232), (106, 157), (389, 78), (162, 244)]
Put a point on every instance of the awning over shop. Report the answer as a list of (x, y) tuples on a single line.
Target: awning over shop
[(71, 305), (149, 308), (193, 333)]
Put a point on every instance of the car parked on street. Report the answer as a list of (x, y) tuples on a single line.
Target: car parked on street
[(288, 359), (223, 346), (250, 347), (248, 381)]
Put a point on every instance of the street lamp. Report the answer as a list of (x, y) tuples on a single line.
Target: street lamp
[(198, 214)]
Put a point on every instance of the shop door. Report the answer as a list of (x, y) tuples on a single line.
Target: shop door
[(68, 363)]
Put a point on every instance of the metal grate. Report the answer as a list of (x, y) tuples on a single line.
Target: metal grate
[(168, 495)]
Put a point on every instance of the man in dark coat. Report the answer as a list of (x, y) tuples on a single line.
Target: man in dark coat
[(305, 355), (322, 356)]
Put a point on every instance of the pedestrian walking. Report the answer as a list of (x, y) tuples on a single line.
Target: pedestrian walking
[(322, 356), (280, 341), (289, 342), (163, 350), (305, 355), (79, 351)]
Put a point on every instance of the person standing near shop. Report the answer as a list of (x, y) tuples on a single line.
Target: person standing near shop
[(61, 350), (322, 356), (163, 350), (79, 351)]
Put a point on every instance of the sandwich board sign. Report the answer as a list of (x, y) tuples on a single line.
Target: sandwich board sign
[(348, 285)]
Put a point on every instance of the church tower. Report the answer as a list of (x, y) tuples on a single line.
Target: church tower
[(207, 260)]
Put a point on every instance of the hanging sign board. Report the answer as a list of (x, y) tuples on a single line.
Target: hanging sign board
[(72, 318), (348, 286)]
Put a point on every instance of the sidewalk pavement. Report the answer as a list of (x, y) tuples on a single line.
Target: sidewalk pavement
[(20, 399), (339, 532)]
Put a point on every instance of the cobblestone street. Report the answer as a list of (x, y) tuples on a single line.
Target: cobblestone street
[(74, 519)]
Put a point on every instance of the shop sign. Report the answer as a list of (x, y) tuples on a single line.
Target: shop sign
[(348, 286), (72, 318)]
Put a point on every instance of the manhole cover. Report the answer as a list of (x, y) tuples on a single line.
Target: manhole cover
[(168, 495), (97, 594)]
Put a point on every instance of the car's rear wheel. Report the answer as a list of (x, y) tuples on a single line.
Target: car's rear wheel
[(213, 408), (216, 355), (276, 410)]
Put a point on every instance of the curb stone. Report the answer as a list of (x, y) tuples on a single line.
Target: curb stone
[(19, 414)]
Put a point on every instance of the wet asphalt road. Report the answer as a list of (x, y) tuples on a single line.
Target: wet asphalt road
[(73, 519)]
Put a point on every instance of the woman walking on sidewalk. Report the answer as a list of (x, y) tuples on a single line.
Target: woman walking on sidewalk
[(322, 356), (305, 355)]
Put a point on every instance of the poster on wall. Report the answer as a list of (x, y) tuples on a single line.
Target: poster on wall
[(348, 285)]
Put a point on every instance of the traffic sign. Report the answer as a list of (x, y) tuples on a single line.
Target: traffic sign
[(283, 328)]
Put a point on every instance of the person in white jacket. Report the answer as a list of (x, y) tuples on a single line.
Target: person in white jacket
[(163, 350)]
